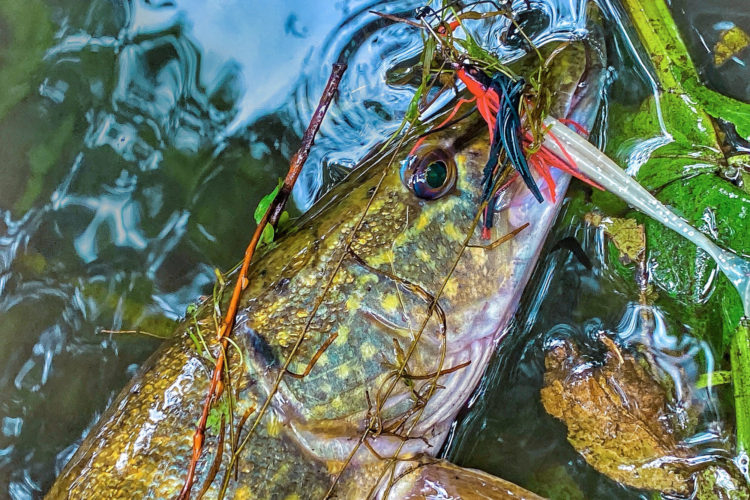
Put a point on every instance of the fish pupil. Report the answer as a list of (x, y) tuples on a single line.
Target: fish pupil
[(435, 174)]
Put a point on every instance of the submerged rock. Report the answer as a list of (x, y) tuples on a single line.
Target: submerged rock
[(620, 418), (617, 417)]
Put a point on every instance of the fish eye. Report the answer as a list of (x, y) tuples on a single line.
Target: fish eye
[(435, 174), (430, 176)]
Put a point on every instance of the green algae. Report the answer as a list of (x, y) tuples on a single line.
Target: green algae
[(30, 32), (740, 355), (683, 172)]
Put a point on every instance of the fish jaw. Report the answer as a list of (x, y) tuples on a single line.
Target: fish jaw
[(485, 324)]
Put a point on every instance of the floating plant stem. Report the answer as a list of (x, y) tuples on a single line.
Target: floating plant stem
[(601, 169), (740, 357)]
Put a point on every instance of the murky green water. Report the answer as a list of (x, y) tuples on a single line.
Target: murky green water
[(136, 139)]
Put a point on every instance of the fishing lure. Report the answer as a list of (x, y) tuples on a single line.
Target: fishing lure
[(498, 101)]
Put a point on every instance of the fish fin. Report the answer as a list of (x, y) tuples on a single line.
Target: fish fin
[(442, 479)]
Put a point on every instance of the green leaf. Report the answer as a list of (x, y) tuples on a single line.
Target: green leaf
[(674, 68), (267, 235), (740, 355), (429, 52), (214, 420), (266, 201), (685, 175), (661, 39), (260, 211), (713, 379), (412, 112), (721, 106)]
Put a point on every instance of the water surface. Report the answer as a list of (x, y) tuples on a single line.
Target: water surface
[(136, 139)]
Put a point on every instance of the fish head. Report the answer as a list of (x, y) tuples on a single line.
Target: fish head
[(407, 299)]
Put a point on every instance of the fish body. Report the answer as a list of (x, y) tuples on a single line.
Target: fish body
[(368, 270)]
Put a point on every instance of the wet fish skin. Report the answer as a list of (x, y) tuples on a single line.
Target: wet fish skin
[(376, 295)]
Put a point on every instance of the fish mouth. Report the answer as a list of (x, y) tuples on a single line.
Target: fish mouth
[(456, 388)]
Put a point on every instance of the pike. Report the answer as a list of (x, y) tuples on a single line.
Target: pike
[(393, 304)]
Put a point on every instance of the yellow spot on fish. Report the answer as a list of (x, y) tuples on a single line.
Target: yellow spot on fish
[(337, 403), (334, 466), (353, 303), (422, 221), (281, 474), (364, 279), (452, 231), (285, 338), (292, 496), (343, 332), (243, 493), (273, 426), (343, 371), (460, 160), (323, 360), (390, 302), (451, 288), (384, 257), (423, 256), (368, 350)]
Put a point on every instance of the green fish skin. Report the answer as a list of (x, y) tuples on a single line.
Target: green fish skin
[(375, 295)]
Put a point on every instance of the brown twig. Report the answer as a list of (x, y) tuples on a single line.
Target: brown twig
[(133, 332), (216, 465), (236, 439), (397, 19), (315, 358), (501, 239), (272, 215), (308, 138)]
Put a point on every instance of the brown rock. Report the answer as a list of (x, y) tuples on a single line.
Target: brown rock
[(617, 418)]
